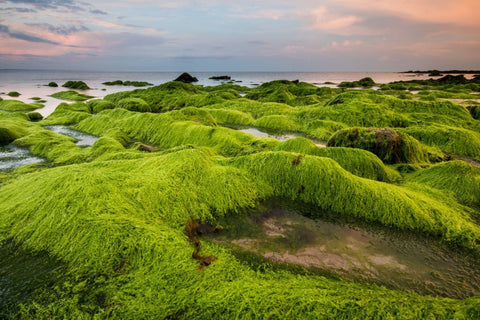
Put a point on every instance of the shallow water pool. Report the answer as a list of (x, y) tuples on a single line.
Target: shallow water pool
[(377, 255), (83, 139), (12, 157)]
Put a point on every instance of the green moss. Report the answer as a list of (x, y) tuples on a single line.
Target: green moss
[(68, 114), (389, 145), (71, 95), (322, 182), (453, 140), (230, 116), (13, 94), (359, 162), (364, 82), (34, 116), (134, 104), (163, 131), (15, 105), (277, 122), (97, 105), (458, 177), (80, 85)]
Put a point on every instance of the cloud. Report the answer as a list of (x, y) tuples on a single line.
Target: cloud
[(98, 12), (62, 30), (459, 12), (322, 19), (24, 36), (50, 4), (17, 10)]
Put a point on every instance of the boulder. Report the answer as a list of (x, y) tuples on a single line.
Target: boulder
[(186, 78)]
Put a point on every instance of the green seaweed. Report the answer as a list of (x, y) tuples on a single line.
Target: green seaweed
[(15, 105), (389, 145), (359, 162), (13, 94), (80, 85), (68, 114), (458, 177), (71, 95)]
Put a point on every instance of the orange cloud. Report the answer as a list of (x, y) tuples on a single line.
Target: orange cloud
[(459, 12)]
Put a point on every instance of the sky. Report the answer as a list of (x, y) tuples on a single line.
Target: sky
[(242, 35)]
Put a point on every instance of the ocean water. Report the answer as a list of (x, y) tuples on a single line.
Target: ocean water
[(32, 83)]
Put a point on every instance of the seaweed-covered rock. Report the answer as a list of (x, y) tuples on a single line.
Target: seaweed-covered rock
[(450, 79), (7, 136), (134, 104), (366, 82), (80, 85), (13, 94), (97, 105), (435, 73), (389, 145), (186, 78), (52, 84), (34, 116)]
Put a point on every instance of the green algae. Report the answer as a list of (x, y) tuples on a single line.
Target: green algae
[(458, 177), (98, 105), (68, 114), (13, 94), (71, 95), (80, 85), (389, 145), (134, 104), (357, 161), (364, 82), (15, 105), (112, 216)]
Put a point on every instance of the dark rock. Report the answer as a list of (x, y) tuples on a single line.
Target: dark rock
[(220, 78), (186, 78), (449, 79), (53, 84), (435, 73)]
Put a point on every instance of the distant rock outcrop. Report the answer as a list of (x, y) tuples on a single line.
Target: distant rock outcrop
[(220, 78), (186, 78)]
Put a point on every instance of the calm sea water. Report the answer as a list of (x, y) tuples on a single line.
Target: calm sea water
[(33, 83)]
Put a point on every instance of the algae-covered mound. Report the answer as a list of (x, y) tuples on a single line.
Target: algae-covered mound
[(71, 95), (389, 145), (15, 105), (98, 232), (80, 85), (459, 177), (13, 94), (364, 82)]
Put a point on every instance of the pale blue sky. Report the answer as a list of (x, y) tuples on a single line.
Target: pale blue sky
[(250, 35)]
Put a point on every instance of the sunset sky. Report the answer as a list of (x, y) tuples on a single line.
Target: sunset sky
[(248, 35)]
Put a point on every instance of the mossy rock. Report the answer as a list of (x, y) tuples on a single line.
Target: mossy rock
[(52, 84), (34, 116), (7, 136), (71, 95), (15, 105), (80, 85), (364, 82), (389, 145), (99, 105), (13, 94), (134, 104)]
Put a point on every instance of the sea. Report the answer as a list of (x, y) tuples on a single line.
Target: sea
[(33, 83)]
